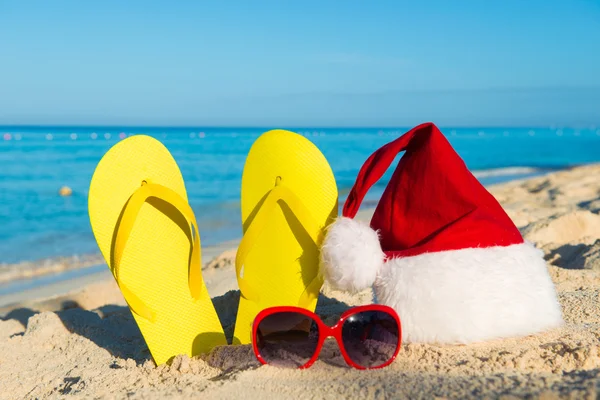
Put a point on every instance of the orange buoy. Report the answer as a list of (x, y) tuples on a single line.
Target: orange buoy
[(65, 191)]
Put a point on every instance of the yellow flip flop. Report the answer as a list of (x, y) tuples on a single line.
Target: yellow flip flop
[(289, 196), (148, 235)]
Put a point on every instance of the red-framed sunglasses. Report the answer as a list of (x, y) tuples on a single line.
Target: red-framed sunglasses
[(368, 336)]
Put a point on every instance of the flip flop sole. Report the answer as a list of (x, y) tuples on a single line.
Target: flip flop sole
[(155, 262), (284, 260)]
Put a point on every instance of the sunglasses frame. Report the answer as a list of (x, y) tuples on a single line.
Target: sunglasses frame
[(326, 331)]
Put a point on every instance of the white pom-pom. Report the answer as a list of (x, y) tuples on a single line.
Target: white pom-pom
[(351, 255)]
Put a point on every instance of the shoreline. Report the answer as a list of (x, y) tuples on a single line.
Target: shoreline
[(44, 287), (47, 285)]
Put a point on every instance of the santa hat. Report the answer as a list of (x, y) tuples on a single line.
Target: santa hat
[(440, 249)]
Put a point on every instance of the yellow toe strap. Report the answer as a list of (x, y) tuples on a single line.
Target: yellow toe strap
[(278, 193), (124, 228)]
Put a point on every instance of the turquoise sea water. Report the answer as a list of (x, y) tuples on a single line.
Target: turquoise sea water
[(35, 222)]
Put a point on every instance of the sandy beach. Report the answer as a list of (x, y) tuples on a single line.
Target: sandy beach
[(78, 339)]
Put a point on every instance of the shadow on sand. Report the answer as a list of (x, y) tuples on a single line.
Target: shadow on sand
[(113, 328), (572, 256)]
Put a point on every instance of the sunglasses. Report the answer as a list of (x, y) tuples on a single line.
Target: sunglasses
[(292, 337)]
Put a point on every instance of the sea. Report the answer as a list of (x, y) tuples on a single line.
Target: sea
[(35, 162)]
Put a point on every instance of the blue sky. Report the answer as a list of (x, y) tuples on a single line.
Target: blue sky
[(495, 62)]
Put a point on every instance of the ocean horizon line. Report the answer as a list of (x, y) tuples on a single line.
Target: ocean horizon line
[(284, 126)]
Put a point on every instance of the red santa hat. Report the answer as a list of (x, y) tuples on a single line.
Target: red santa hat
[(440, 249)]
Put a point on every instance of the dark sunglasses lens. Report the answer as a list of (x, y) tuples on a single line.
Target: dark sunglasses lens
[(287, 339), (370, 338)]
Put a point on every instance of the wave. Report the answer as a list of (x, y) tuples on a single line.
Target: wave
[(507, 171)]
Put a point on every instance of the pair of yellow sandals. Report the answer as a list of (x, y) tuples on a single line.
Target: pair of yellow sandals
[(148, 235)]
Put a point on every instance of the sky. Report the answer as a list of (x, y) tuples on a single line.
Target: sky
[(303, 63)]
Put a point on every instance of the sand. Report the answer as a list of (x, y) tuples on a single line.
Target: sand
[(85, 344)]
